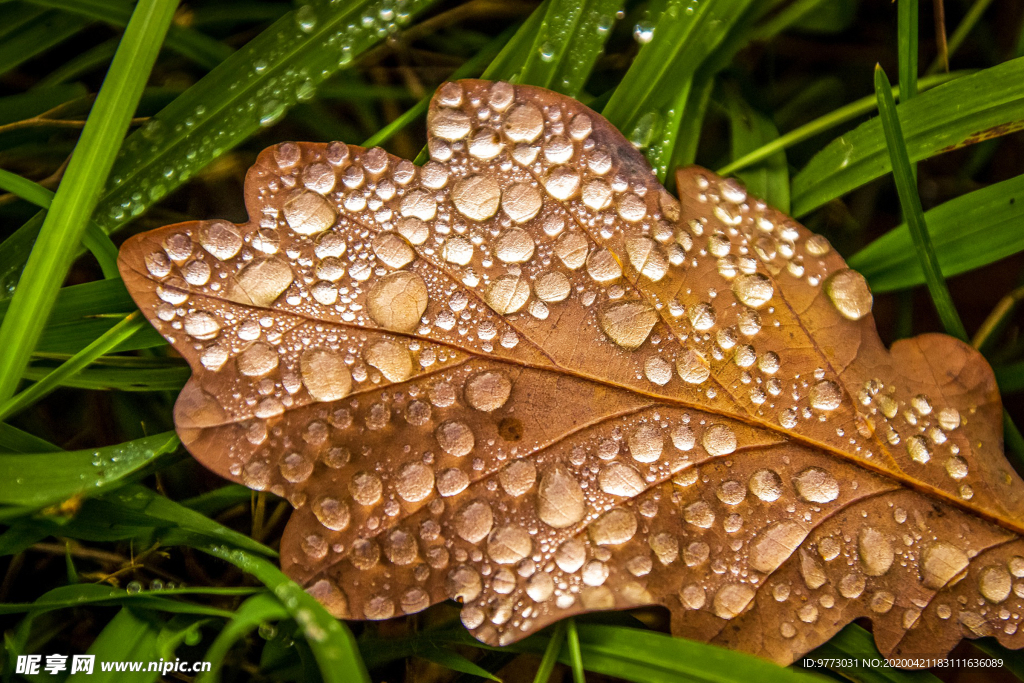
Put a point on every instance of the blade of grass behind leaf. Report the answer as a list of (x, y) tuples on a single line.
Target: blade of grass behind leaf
[(844, 114), (986, 104), (750, 129), (187, 42), (966, 232), (78, 193), (911, 203)]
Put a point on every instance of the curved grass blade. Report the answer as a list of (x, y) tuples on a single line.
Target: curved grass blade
[(967, 232), (984, 105), (258, 609), (41, 479), (84, 312), (138, 506), (330, 639), (130, 635), (78, 193), (76, 595), (911, 203)]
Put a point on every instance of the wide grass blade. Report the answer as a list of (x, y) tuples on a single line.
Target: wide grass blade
[(911, 202), (854, 645), (78, 193), (259, 609), (130, 636), (570, 38), (967, 232), (253, 88), (330, 639), (749, 130), (965, 111), (35, 480), (648, 104)]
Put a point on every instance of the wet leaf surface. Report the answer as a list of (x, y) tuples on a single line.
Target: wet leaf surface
[(527, 378)]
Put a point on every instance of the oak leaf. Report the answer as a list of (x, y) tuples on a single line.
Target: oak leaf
[(525, 377)]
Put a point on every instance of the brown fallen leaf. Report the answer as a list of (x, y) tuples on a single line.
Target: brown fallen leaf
[(525, 377)]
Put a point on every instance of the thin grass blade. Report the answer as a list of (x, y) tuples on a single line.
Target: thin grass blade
[(78, 193), (911, 203)]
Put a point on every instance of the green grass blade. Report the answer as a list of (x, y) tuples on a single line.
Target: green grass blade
[(135, 505), (251, 89), (78, 193), (906, 46), (844, 114), (107, 342), (14, 440), (572, 640), (455, 662), (550, 658), (259, 609), (72, 596), (572, 35), (967, 232), (38, 100), (646, 106), (330, 639), (791, 14), (129, 636), (967, 110), (963, 29), (911, 202), (41, 479), (189, 43), (751, 129), (94, 239), (1010, 377), (149, 374), (36, 37)]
